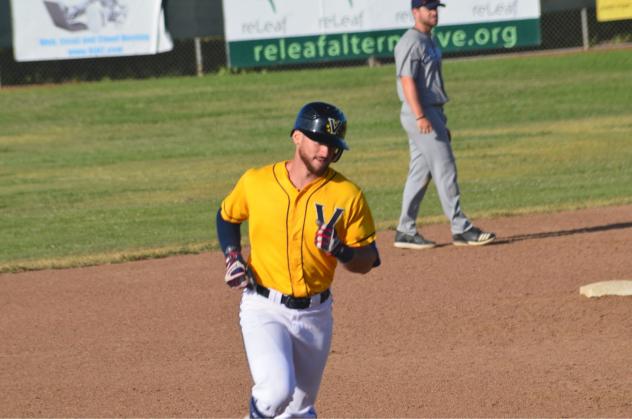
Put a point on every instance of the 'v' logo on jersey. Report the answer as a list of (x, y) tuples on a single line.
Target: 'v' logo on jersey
[(320, 215)]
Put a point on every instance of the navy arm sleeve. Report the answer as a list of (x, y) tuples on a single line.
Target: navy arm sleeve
[(228, 234)]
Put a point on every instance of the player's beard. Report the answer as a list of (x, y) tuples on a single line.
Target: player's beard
[(311, 167)]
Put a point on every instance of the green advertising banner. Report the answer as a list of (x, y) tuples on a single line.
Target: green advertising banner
[(263, 33), (362, 45)]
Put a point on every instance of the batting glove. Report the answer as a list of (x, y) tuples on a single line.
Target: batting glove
[(237, 273), (327, 240)]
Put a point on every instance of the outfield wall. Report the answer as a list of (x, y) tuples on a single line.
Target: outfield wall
[(199, 46)]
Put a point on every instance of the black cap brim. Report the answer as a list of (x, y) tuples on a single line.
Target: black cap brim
[(326, 139), (433, 5)]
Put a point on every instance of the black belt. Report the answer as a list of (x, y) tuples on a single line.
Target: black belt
[(293, 302)]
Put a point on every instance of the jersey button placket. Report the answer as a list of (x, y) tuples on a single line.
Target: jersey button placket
[(296, 224), (290, 237)]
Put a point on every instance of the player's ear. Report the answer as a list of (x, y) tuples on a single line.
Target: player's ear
[(296, 136)]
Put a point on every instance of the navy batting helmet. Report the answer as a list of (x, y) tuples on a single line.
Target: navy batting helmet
[(323, 123)]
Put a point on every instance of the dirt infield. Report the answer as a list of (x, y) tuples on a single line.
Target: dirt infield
[(479, 332)]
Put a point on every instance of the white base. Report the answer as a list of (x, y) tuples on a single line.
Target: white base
[(599, 289)]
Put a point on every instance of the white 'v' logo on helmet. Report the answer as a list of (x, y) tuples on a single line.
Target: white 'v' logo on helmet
[(333, 125)]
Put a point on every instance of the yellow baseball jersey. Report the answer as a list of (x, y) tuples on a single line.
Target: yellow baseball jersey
[(282, 225)]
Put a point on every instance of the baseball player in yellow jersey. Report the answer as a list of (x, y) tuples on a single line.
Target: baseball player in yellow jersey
[(304, 218)]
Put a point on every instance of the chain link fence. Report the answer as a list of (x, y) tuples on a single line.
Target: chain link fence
[(560, 29)]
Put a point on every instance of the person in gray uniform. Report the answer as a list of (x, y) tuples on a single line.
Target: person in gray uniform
[(420, 88)]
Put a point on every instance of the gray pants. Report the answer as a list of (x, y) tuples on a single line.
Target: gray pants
[(431, 157)]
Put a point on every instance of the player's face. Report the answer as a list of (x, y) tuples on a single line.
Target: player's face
[(314, 155), (426, 18)]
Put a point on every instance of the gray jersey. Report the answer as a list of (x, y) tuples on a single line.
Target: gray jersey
[(417, 56)]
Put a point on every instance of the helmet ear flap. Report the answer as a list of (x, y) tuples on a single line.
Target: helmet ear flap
[(337, 154)]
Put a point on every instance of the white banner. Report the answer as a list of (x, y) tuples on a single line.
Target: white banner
[(266, 19), (71, 29)]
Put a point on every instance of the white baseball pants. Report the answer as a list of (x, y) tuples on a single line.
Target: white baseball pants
[(287, 350)]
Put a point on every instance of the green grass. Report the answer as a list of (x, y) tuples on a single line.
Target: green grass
[(112, 171)]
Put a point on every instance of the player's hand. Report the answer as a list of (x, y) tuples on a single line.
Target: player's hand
[(327, 240), (237, 273), (424, 125)]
